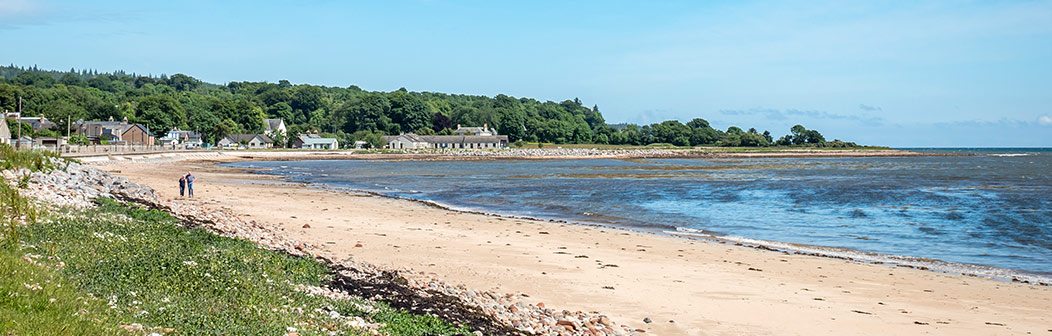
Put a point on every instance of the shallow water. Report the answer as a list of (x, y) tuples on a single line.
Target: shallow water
[(994, 208)]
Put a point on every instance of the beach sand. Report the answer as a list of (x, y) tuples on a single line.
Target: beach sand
[(685, 287)]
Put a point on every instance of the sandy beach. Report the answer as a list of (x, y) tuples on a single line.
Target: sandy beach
[(682, 286)]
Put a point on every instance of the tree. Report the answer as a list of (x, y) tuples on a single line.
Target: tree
[(440, 122), (78, 139), (160, 112), (734, 130), (698, 123), (408, 111)]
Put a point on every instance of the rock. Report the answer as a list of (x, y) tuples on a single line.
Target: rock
[(306, 226), (647, 320)]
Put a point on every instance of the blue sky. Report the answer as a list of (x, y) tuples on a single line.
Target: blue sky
[(960, 73)]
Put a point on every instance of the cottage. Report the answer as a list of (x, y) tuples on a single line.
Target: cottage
[(274, 126), (314, 141), (413, 141), (465, 137), (5, 133), (255, 141)]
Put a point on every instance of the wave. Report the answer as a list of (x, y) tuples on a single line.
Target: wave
[(1010, 154)]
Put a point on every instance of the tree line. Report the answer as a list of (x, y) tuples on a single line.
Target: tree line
[(181, 101)]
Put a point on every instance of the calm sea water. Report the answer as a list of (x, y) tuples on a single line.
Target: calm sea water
[(994, 208)]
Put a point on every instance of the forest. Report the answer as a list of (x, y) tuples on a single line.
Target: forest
[(181, 101)]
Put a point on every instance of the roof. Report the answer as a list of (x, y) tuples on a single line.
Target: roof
[(4, 131), (449, 138), (38, 123), (273, 124), (140, 126), (238, 138), (315, 139)]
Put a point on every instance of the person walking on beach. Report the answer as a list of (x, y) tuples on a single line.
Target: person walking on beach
[(182, 185), (190, 184)]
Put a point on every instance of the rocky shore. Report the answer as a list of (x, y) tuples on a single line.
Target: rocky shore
[(76, 185)]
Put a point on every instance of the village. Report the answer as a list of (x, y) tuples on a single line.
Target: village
[(118, 136)]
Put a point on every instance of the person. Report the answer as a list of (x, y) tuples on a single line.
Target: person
[(182, 185), (190, 184)]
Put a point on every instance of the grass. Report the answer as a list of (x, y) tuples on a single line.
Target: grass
[(152, 272), (88, 272)]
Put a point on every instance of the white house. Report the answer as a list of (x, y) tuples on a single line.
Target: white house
[(413, 141), (254, 141), (314, 141), (272, 126)]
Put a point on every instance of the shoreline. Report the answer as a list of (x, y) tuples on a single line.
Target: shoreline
[(747, 272), (861, 256)]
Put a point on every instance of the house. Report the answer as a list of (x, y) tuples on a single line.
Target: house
[(38, 123), (314, 141), (5, 133), (474, 131), (413, 141), (114, 131), (272, 126), (246, 141), (175, 137), (137, 134)]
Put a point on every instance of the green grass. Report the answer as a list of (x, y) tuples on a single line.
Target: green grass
[(34, 160), (155, 273), (34, 300)]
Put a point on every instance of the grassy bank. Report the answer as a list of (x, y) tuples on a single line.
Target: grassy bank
[(121, 269)]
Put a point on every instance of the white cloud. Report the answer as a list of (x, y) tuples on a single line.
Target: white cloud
[(1044, 120)]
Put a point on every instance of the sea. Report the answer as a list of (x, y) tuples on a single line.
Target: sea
[(985, 211)]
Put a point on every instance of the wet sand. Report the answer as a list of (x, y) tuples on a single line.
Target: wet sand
[(685, 287)]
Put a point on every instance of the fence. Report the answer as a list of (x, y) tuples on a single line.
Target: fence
[(107, 149)]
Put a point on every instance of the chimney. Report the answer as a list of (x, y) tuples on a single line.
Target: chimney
[(485, 127), (458, 126)]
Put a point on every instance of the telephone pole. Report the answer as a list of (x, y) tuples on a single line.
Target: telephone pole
[(18, 122)]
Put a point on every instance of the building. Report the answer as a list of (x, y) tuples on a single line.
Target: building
[(137, 134), (5, 133), (176, 137), (413, 141), (38, 123), (272, 126), (475, 131), (49, 142), (314, 141), (114, 132), (464, 137), (255, 141)]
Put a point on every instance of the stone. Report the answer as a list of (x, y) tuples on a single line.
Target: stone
[(647, 320)]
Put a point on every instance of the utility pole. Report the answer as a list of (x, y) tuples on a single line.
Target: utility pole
[(18, 122)]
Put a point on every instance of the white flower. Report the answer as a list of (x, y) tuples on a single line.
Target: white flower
[(190, 263)]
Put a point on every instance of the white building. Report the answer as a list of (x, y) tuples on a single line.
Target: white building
[(273, 126), (314, 141), (254, 141)]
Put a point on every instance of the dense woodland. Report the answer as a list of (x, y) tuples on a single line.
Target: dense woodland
[(181, 101)]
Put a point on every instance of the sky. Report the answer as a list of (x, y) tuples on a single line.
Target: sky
[(896, 73)]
